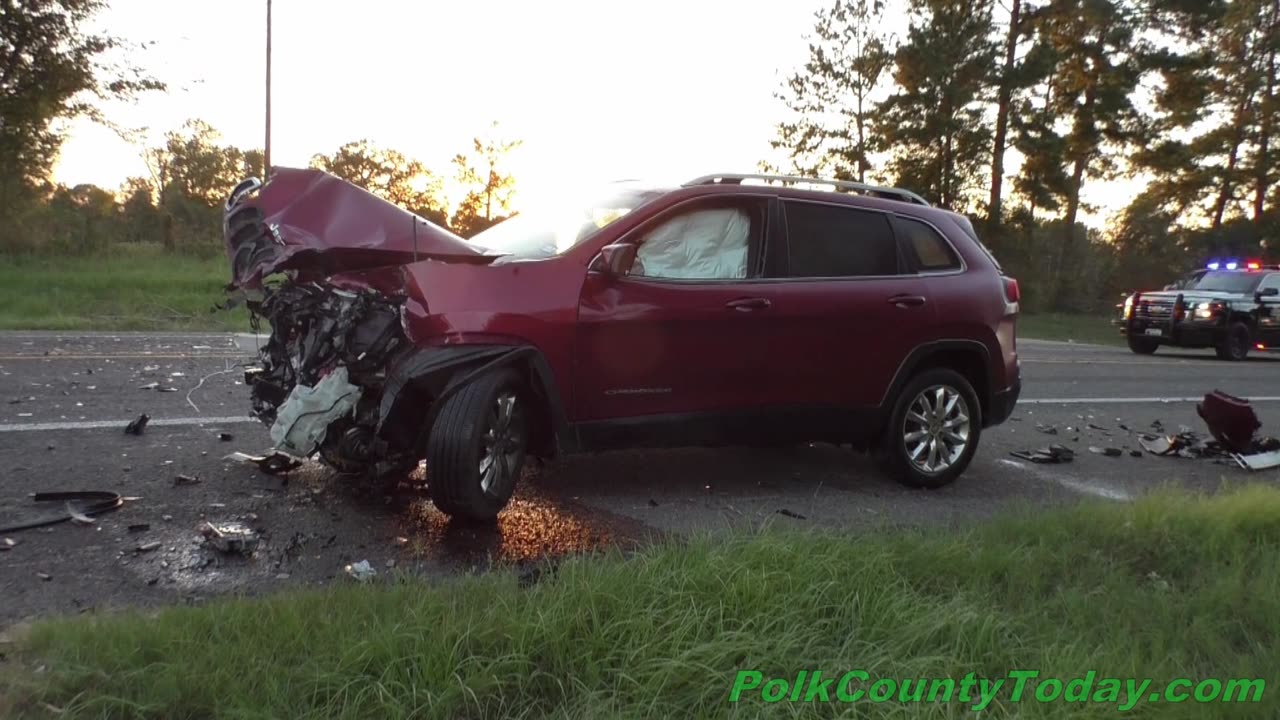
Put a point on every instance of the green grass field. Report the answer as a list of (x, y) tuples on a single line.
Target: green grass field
[(141, 288), (1171, 586), (133, 288)]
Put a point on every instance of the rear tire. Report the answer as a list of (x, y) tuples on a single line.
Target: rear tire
[(1142, 345), (476, 446), (1235, 346), (934, 429)]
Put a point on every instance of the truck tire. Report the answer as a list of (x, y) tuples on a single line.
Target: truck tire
[(934, 429), (1235, 345), (476, 446), (1143, 346)]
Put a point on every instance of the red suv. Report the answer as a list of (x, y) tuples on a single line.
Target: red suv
[(735, 309)]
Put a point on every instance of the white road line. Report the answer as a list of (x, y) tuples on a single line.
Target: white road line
[(1126, 400), (98, 424), (1088, 487)]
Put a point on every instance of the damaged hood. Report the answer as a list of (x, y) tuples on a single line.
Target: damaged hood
[(308, 219)]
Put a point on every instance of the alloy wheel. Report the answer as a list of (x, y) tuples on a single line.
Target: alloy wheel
[(502, 444), (935, 431)]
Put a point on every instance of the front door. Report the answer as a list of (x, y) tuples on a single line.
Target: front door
[(679, 334)]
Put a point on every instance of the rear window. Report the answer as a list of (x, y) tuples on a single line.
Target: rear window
[(834, 241), (932, 252)]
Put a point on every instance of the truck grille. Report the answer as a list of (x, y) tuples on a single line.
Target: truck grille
[(1153, 310)]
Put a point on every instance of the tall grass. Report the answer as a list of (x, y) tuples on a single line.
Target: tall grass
[(1171, 586), (129, 288)]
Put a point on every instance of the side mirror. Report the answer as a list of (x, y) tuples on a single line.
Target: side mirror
[(1269, 292), (615, 260)]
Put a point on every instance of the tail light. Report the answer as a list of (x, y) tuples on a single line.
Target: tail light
[(1011, 291)]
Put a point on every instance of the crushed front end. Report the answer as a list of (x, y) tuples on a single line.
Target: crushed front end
[(323, 263)]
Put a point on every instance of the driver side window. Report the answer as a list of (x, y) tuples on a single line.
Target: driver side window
[(707, 243)]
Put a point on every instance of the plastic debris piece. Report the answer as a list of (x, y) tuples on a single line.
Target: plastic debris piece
[(148, 547), (272, 464), (140, 527), (1135, 453), (1158, 446), (1047, 429), (1258, 461), (361, 571), (791, 514), (137, 426), (185, 480), (1051, 455), (226, 437), (1108, 451), (230, 537), (1230, 420)]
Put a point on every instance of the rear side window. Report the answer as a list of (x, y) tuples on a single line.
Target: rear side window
[(835, 241), (931, 251)]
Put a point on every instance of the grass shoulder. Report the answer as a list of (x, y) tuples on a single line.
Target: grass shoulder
[(1171, 586)]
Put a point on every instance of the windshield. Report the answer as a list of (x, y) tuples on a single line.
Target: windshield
[(1232, 282), (541, 233)]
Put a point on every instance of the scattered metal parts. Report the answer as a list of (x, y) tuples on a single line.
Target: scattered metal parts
[(1158, 445), (1230, 419), (149, 386), (791, 514), (1108, 451), (98, 502), (137, 426), (230, 537), (361, 571), (1258, 461), (1047, 429), (1052, 455), (185, 480), (78, 517)]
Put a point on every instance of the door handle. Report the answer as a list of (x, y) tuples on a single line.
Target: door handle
[(748, 304), (906, 301)]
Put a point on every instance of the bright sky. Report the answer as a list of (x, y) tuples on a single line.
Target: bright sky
[(597, 90)]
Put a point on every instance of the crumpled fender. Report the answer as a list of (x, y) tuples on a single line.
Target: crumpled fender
[(440, 371)]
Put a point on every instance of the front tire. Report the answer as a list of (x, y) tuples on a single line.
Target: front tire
[(1142, 345), (934, 429), (1235, 346), (477, 445)]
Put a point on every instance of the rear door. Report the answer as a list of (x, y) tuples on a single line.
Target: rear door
[(847, 309), (681, 333)]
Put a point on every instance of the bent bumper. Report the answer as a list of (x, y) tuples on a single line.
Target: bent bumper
[(1002, 403)]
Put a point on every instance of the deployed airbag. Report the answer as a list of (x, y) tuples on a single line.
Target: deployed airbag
[(700, 245), (305, 416)]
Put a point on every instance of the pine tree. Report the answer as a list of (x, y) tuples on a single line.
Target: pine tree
[(935, 125), (830, 99)]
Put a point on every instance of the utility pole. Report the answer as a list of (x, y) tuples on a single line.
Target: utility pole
[(266, 150)]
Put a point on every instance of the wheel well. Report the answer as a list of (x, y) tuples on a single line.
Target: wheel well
[(972, 364)]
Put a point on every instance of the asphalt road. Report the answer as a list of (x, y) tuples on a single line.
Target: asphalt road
[(65, 399)]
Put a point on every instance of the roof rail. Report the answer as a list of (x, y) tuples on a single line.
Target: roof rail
[(891, 193)]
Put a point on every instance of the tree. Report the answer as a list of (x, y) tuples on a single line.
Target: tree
[(1008, 80), (1094, 57), (388, 174), (830, 99), (935, 124), (488, 190), (51, 68)]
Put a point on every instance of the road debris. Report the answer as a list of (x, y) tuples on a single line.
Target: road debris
[(137, 426), (230, 537), (148, 547), (1254, 462), (139, 527), (226, 437), (361, 571), (78, 517), (1052, 455), (185, 480), (97, 502), (8, 544), (1047, 429), (1108, 451), (149, 386), (273, 464), (44, 576), (1230, 419), (791, 514)]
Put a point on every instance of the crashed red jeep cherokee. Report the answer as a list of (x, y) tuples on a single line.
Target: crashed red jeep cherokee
[(731, 310)]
